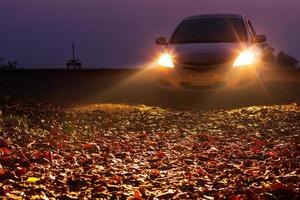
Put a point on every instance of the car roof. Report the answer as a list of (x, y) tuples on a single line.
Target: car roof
[(212, 16)]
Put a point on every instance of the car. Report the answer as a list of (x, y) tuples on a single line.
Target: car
[(210, 51)]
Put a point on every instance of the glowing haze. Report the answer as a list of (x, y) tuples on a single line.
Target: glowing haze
[(120, 33)]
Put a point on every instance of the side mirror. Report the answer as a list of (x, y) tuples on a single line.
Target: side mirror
[(260, 38), (161, 41)]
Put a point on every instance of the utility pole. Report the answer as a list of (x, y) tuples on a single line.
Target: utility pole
[(74, 63)]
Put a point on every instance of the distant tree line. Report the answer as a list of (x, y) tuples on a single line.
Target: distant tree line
[(8, 64), (280, 59)]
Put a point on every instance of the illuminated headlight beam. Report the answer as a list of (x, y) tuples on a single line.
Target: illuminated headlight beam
[(166, 60), (245, 58)]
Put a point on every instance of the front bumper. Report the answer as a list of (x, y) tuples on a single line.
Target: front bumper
[(210, 78)]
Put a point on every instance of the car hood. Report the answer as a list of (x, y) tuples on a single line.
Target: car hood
[(205, 48), (205, 53)]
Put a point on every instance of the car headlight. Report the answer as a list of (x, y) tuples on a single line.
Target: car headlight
[(245, 58), (166, 60)]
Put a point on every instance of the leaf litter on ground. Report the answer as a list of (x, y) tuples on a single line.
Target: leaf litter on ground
[(113, 151)]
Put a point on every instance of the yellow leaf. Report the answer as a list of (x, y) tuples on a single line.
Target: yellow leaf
[(32, 179)]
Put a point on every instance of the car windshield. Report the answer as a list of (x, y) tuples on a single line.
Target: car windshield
[(210, 31)]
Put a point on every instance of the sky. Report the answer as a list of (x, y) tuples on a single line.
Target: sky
[(121, 33)]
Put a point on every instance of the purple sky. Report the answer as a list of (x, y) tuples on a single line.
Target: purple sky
[(119, 33)]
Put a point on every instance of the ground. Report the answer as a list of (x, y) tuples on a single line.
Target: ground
[(117, 151)]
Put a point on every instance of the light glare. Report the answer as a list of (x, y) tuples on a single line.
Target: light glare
[(245, 58), (165, 60)]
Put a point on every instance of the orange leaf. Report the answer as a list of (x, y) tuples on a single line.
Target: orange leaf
[(87, 146), (3, 171), (118, 179), (155, 172), (272, 153), (137, 195), (212, 163)]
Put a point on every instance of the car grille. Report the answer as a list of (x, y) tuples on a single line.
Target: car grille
[(202, 60)]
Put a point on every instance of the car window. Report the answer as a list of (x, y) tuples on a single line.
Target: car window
[(252, 28), (210, 31)]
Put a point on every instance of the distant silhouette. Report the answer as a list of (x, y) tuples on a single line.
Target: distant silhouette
[(286, 60), (74, 63), (281, 60), (8, 64), (269, 54)]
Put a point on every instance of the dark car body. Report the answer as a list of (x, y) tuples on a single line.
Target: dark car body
[(204, 50)]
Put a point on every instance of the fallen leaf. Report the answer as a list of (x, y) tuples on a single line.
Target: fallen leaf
[(5, 150), (32, 179), (160, 154)]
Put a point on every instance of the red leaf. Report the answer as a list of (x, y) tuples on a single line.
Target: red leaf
[(5, 150), (201, 171), (160, 154), (87, 146), (69, 157), (255, 150), (237, 197), (61, 146), (189, 175), (56, 156), (40, 154), (277, 186), (3, 143), (251, 173), (260, 143), (47, 154), (20, 171), (100, 189), (55, 132)]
